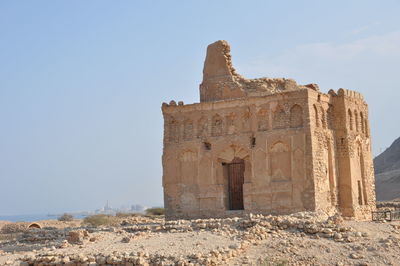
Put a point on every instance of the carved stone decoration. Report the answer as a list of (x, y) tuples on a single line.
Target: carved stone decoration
[(173, 130), (217, 126), (246, 121), (296, 116), (230, 123), (260, 166), (298, 161), (262, 119), (232, 152), (205, 170), (281, 164), (188, 129), (280, 118), (188, 162), (202, 127), (169, 172)]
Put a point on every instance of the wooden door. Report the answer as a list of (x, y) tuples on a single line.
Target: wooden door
[(236, 180)]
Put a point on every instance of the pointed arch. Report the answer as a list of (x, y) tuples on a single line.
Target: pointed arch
[(362, 184), (296, 116), (279, 120), (280, 162), (350, 119), (279, 146), (356, 120), (316, 117), (233, 151), (362, 122)]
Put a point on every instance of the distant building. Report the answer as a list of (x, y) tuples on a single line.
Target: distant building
[(137, 208)]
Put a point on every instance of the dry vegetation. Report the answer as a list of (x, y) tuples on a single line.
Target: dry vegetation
[(100, 220), (66, 217), (155, 211)]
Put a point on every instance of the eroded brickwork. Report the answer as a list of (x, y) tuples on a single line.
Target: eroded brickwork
[(301, 149)]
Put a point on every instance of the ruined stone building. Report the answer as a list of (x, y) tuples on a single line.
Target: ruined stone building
[(266, 146)]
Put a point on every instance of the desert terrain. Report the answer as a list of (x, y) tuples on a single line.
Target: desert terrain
[(304, 238)]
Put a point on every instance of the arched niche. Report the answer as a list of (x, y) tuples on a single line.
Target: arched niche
[(356, 120), (230, 121), (296, 116), (280, 164), (279, 118), (350, 119), (316, 117), (262, 119)]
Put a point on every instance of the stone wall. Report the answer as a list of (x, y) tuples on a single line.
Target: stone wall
[(270, 133)]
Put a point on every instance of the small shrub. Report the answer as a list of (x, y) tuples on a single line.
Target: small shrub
[(98, 220), (125, 214), (155, 211), (13, 228), (66, 217)]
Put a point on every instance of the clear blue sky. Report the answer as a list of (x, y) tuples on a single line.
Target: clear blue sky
[(82, 82)]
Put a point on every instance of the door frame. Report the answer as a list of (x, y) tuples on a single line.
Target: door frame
[(240, 203)]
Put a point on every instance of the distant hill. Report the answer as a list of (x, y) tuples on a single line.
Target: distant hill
[(387, 173)]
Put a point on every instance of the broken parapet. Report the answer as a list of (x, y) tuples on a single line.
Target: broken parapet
[(350, 94), (221, 81)]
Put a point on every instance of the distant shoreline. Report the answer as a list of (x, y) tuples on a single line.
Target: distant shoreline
[(33, 217)]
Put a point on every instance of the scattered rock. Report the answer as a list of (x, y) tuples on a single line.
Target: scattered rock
[(126, 239), (77, 237)]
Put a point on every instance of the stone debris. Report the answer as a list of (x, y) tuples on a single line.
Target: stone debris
[(250, 231), (77, 237), (254, 238)]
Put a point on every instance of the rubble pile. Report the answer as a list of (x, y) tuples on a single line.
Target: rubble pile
[(249, 230)]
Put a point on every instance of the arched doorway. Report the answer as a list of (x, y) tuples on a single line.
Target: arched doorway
[(235, 184)]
